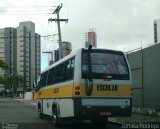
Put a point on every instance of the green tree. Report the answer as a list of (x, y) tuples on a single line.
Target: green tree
[(4, 66), (2, 80), (9, 81)]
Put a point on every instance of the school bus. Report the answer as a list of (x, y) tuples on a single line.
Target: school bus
[(89, 84)]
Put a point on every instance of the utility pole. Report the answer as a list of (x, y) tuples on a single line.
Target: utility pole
[(58, 20)]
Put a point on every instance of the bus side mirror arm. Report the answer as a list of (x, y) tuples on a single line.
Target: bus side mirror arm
[(89, 81), (89, 86)]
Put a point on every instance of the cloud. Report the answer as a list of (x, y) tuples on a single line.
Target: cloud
[(3, 11), (119, 24)]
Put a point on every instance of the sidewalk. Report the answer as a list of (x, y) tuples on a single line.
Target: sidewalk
[(136, 118), (6, 98)]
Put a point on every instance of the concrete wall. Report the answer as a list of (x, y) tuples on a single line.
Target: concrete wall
[(145, 67), (135, 60), (152, 76), (28, 95)]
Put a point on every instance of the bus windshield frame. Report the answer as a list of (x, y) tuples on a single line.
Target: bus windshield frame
[(112, 62)]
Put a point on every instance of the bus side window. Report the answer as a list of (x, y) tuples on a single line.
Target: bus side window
[(66, 70), (39, 82), (69, 69), (44, 79), (72, 68), (51, 77), (59, 73)]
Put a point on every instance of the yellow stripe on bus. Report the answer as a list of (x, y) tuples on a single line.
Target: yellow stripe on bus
[(69, 91), (123, 90), (54, 92)]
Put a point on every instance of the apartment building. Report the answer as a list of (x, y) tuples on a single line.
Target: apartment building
[(91, 39), (7, 49), (28, 56), (20, 48)]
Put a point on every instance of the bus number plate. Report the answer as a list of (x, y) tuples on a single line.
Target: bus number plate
[(105, 113)]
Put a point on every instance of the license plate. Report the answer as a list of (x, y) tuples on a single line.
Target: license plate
[(105, 113)]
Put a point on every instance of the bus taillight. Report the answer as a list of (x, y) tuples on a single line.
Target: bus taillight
[(77, 87), (77, 90), (77, 93)]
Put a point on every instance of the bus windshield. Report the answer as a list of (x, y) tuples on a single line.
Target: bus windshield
[(105, 63)]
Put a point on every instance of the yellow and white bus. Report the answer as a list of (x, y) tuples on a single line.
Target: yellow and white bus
[(90, 84)]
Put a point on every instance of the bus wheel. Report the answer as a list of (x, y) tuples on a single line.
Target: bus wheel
[(40, 114), (55, 118)]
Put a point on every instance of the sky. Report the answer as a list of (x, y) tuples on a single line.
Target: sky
[(119, 24)]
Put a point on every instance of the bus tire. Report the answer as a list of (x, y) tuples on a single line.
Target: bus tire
[(55, 117), (40, 113)]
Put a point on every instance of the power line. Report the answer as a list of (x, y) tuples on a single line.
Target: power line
[(28, 14), (27, 6), (30, 11), (26, 10), (44, 36)]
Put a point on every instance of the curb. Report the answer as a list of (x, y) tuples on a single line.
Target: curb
[(115, 122), (146, 111)]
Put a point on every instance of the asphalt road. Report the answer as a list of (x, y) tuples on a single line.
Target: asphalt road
[(18, 114)]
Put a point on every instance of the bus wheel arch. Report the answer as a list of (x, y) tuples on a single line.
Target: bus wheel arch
[(55, 117), (40, 112)]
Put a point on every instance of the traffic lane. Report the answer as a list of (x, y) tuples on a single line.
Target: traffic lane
[(18, 115), (23, 115), (84, 125), (47, 126), (88, 126), (15, 111)]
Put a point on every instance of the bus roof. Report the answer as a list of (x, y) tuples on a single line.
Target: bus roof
[(73, 54), (62, 60)]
